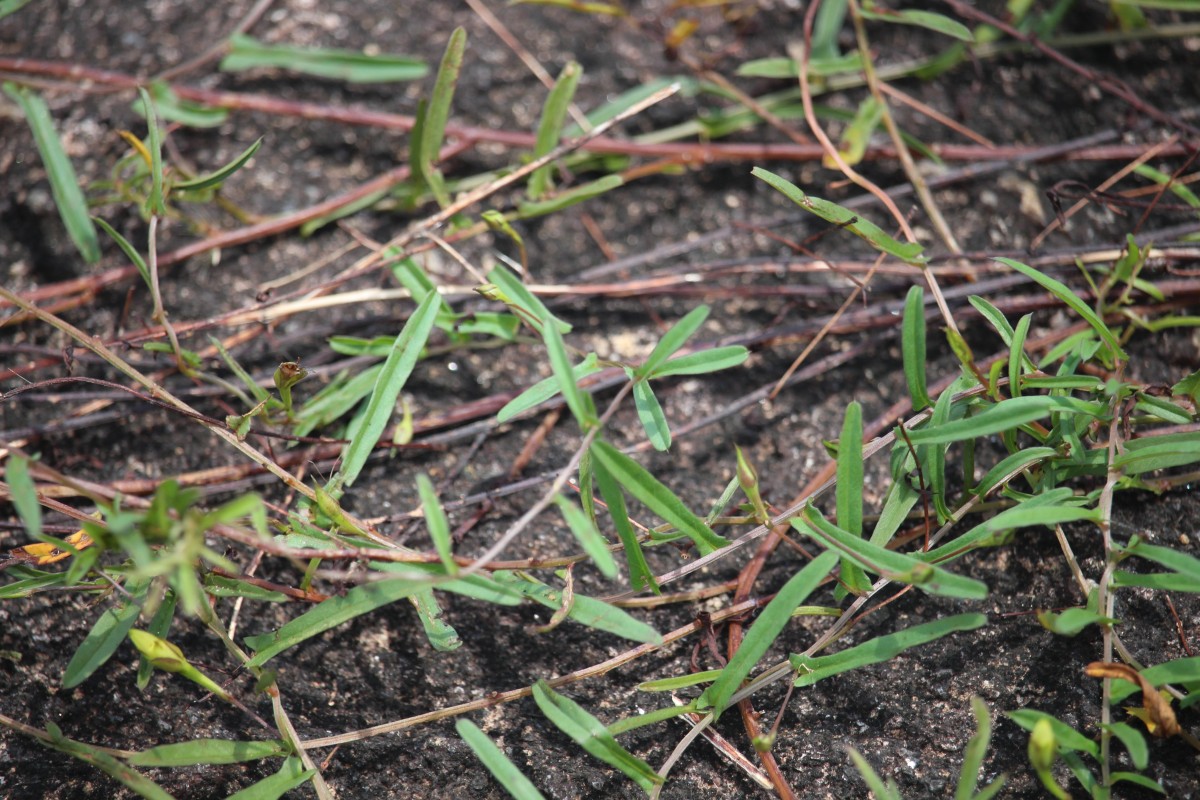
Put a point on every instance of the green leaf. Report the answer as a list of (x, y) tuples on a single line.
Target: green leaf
[(1189, 387), (289, 776), (119, 771), (1168, 557), (912, 346), (590, 734), (208, 751), (436, 522), (586, 610), (160, 626), (975, 752), (174, 109), (880, 789), (857, 134), (765, 631), (554, 114), (1067, 295), (845, 218), (887, 563), (1180, 670), (704, 361), (399, 365), (106, 635), (64, 185), (433, 129), (245, 52), (564, 375), (1066, 736), (333, 612), (1145, 781), (831, 17), (478, 587), (679, 681), (589, 538), (881, 648), (440, 633), (128, 249), (651, 415), (571, 197), (901, 497), (1158, 452), (922, 19), (1012, 465), (154, 145), (630, 98), (219, 176), (849, 492), (11, 7), (503, 770), (24, 494), (1133, 741), (641, 577), (522, 301), (543, 390), (1002, 416), (1072, 621), (1049, 508), (672, 340), (658, 498)]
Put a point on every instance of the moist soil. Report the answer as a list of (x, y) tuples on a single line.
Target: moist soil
[(910, 716)]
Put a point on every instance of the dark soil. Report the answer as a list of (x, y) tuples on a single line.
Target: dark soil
[(910, 717)]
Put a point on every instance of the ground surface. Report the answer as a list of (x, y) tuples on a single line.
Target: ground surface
[(910, 717)]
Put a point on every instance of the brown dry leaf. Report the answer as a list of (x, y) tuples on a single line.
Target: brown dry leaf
[(44, 553), (1156, 713)]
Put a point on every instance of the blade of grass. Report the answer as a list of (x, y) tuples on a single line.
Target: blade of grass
[(651, 415), (543, 390), (812, 669), (433, 131), (641, 577), (64, 184), (704, 361), (502, 769), (912, 346), (333, 612), (106, 635), (590, 734), (589, 538), (562, 200), (436, 522), (219, 176), (672, 340), (208, 751), (246, 52), (564, 375), (765, 630), (658, 498), (554, 113), (290, 775), (849, 490), (156, 202), (124, 774), (1003, 416), (586, 610), (399, 365)]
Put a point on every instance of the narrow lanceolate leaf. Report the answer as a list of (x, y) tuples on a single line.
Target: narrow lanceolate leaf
[(589, 538), (564, 375), (124, 774), (703, 362), (208, 751), (1067, 295), (245, 52), (154, 145), (811, 669), (651, 415), (1001, 417), (849, 492), (128, 249), (106, 635), (399, 365), (436, 522), (503, 770), (333, 612), (24, 494), (673, 339), (571, 197), (844, 218), (174, 109), (554, 113), (440, 633), (585, 610), (973, 755), (640, 575), (289, 776), (887, 563), (433, 129), (912, 346), (765, 630), (219, 176), (922, 19), (658, 498), (64, 185), (543, 390), (523, 302), (590, 734)]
